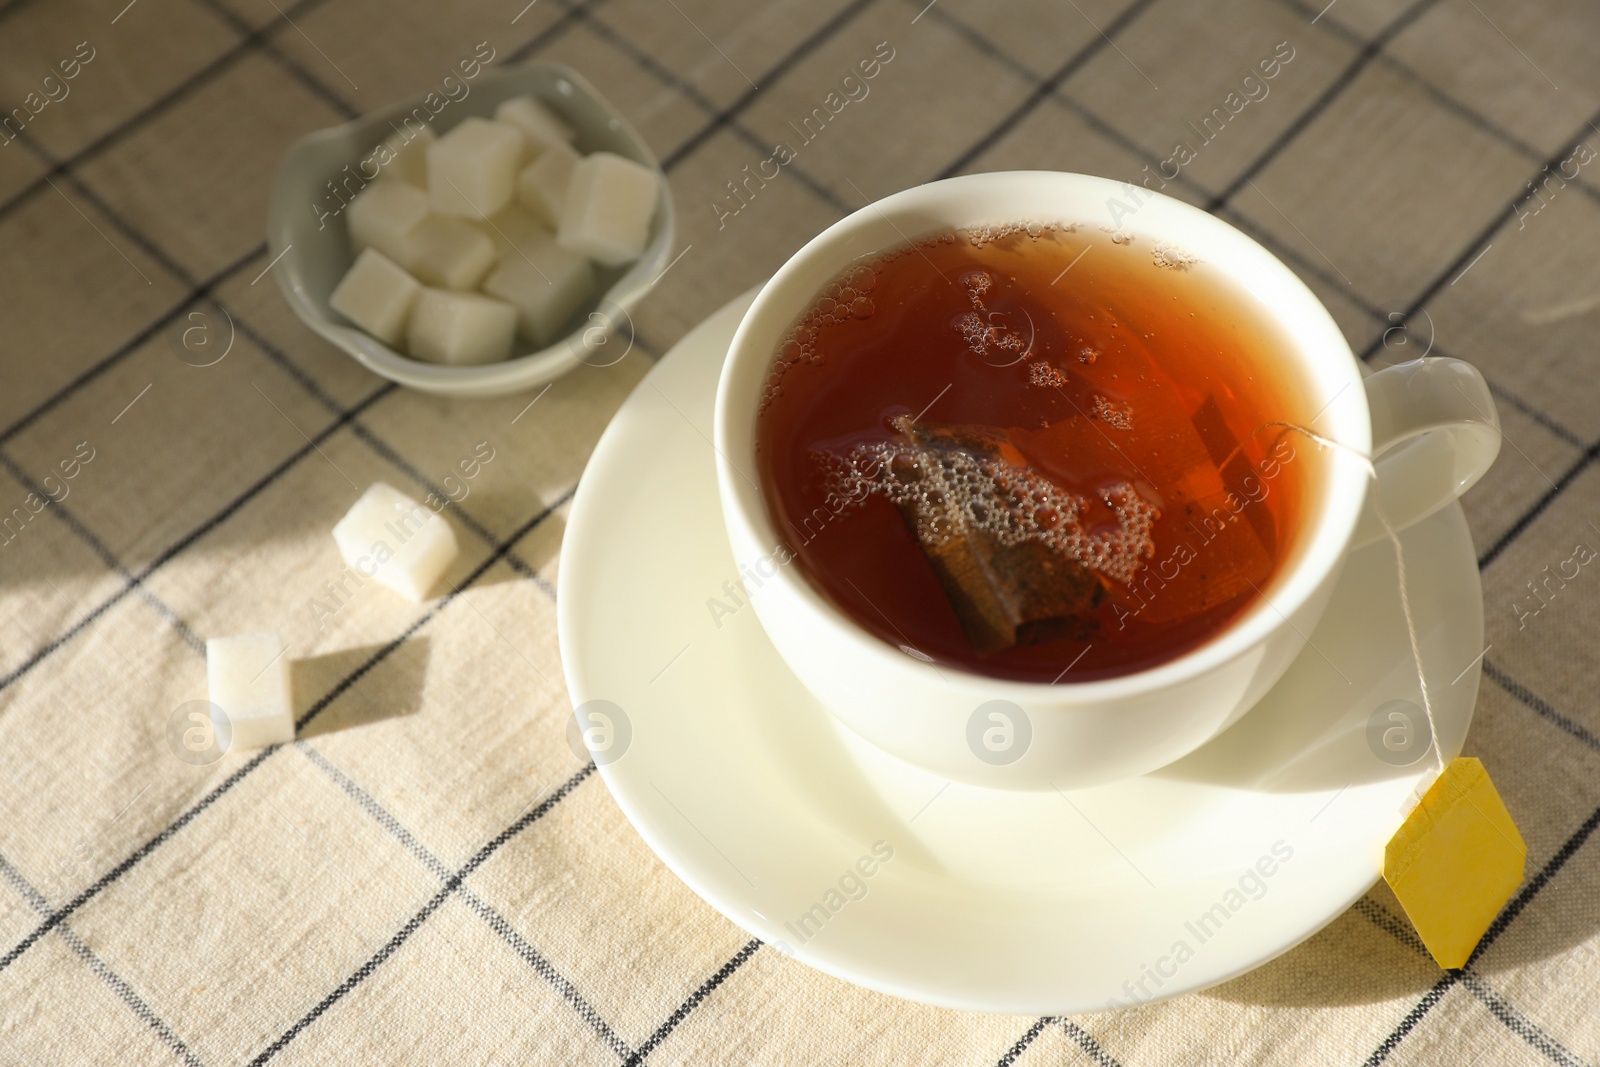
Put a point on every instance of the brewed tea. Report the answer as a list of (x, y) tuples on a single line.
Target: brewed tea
[(1035, 453)]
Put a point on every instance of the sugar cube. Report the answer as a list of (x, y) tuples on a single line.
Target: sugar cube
[(248, 678), (392, 538), (376, 294), (460, 328), (607, 209), (472, 170), (542, 185), (514, 227), (449, 252), (539, 124), (546, 283), (404, 154), (383, 216)]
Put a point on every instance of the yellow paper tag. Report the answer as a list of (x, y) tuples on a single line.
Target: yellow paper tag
[(1455, 861)]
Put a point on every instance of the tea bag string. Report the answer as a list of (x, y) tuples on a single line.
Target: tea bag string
[(1399, 559)]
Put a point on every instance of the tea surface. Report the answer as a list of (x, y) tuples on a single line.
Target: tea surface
[(1038, 454)]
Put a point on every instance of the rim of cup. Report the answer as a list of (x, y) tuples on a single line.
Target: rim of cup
[(1327, 368)]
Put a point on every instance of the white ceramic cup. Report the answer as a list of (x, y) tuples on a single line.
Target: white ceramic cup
[(1430, 424)]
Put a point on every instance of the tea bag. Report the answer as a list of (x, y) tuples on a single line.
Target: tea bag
[(1235, 470), (1458, 859), (1217, 538), (1005, 594), (1007, 544)]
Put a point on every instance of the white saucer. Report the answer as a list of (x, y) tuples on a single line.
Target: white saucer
[(997, 901)]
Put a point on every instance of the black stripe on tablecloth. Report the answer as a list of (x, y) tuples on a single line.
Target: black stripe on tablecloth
[(808, 44), (129, 996), (65, 516), (1412, 1018), (1075, 1033), (1502, 922), (1386, 921), (1529, 890), (1478, 243), (695, 999), (116, 872), (1531, 1032), (1089, 1045), (155, 252), (1048, 86), (384, 450), (193, 535), (646, 62), (200, 291), (497, 922), (1528, 411), (1301, 263), (11, 6), (259, 486), (414, 924), (168, 99), (701, 138), (573, 11), (60, 914), (270, 47), (379, 813), (1324, 100), (100, 968), (1525, 1028), (1539, 705), (1538, 507), (133, 233), (255, 761), (1028, 1037), (546, 970)]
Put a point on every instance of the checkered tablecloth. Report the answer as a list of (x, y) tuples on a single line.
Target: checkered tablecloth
[(428, 874)]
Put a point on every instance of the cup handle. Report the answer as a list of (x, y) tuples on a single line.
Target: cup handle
[(1435, 432)]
